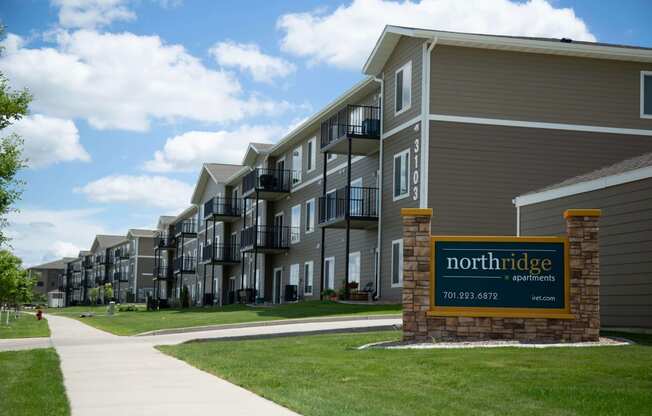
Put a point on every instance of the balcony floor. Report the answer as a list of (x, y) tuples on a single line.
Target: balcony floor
[(223, 218), (360, 145), (263, 250), (266, 195), (357, 223)]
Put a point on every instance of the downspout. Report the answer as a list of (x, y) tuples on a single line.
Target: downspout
[(518, 216), (425, 125), (380, 194)]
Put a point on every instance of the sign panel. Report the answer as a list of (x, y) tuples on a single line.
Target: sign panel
[(500, 276)]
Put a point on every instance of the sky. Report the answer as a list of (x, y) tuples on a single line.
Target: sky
[(132, 96)]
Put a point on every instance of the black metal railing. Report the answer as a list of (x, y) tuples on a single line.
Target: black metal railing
[(121, 253), (188, 226), (77, 267), (362, 203), (184, 264), (161, 272), (354, 121), (100, 259), (163, 240), (87, 263), (221, 253), (120, 277), (227, 207), (267, 236), (268, 180)]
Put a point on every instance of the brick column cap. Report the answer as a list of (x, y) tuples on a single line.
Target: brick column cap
[(582, 213), (416, 212)]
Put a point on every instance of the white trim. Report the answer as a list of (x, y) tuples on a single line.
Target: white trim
[(643, 75), (425, 127), (407, 193), (312, 278), (312, 211), (401, 127), (582, 187), (518, 221), (332, 261), (359, 254), (406, 68), (537, 125), (400, 259), (312, 156), (298, 172), (298, 226)]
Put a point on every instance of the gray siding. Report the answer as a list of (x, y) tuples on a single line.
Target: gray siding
[(625, 246), (536, 87), (407, 49), (475, 170)]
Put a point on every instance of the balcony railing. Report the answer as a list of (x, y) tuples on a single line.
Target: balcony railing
[(184, 264), (267, 237), (268, 180), (161, 272), (351, 121), (100, 259), (122, 253), (77, 267), (120, 277), (220, 253), (163, 240), (188, 226), (223, 207), (87, 263), (362, 203)]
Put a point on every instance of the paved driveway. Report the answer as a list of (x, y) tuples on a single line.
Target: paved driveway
[(105, 374)]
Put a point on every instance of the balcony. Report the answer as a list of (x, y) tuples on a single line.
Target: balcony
[(161, 273), (87, 263), (362, 204), (163, 240), (186, 227), (269, 184), (120, 277), (221, 254), (184, 264), (122, 253), (358, 123), (267, 238), (100, 259), (223, 209)]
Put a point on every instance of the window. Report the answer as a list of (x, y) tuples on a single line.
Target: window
[(312, 154), (403, 88), (310, 216), (397, 263), (297, 165), (329, 273), (354, 267), (39, 284), (308, 268), (294, 275), (646, 94), (295, 232), (401, 174)]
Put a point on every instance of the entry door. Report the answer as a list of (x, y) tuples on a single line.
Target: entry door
[(278, 278), (329, 273), (277, 232), (355, 195)]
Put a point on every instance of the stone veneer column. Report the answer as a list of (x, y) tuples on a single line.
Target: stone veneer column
[(582, 232), (416, 273)]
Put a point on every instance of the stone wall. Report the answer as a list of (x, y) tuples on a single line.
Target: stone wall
[(418, 325)]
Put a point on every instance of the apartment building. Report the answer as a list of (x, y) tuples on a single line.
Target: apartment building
[(50, 277), (458, 122)]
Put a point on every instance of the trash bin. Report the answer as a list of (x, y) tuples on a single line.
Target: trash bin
[(111, 310)]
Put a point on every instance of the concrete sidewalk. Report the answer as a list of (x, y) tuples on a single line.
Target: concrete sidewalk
[(105, 374), (15, 344)]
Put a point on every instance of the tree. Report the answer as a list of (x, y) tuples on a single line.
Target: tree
[(108, 291), (15, 285), (93, 294), (13, 106)]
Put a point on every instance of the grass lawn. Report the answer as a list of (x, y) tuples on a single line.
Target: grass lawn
[(32, 384), (24, 327), (325, 375), (130, 323)]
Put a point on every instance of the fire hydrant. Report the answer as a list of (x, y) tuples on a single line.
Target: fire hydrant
[(39, 314)]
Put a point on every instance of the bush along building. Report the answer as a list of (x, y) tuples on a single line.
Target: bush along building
[(461, 123)]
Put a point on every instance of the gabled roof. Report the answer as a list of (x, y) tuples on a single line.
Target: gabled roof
[(141, 233), (103, 241), (630, 170), (186, 213), (164, 221), (392, 34), (217, 172), (83, 253), (253, 151), (53, 265)]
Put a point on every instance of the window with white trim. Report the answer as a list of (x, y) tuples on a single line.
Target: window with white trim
[(297, 165), (310, 215), (308, 268), (403, 88), (312, 155), (295, 222), (354, 267), (401, 174), (294, 274), (397, 263), (646, 94)]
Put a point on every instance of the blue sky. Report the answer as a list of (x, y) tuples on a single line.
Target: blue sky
[(132, 96)]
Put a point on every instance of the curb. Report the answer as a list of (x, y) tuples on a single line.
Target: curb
[(266, 323)]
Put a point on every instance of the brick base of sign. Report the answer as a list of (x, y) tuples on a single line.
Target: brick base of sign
[(418, 326)]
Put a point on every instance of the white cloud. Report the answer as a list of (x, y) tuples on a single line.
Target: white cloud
[(188, 151), (248, 57), (124, 81), (90, 14), (345, 37), (154, 191), (49, 140), (40, 235)]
